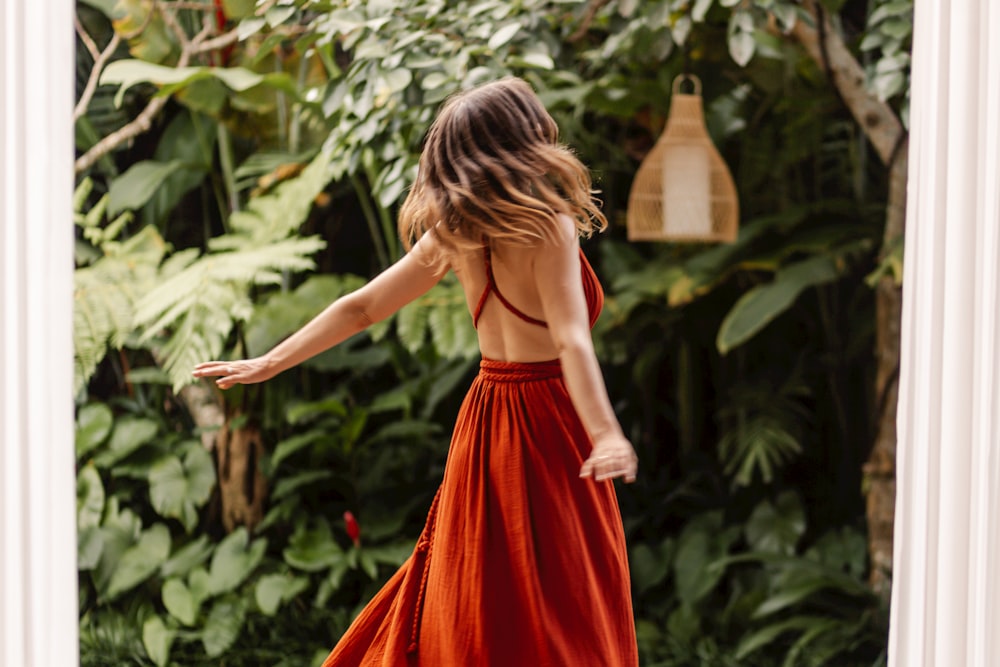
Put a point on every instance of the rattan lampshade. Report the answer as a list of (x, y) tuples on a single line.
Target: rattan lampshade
[(683, 190)]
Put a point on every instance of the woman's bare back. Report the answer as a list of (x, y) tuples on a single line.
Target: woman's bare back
[(503, 335)]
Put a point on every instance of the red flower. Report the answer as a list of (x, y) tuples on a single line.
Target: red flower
[(353, 529)]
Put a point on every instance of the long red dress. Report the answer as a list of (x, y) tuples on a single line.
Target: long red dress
[(521, 563)]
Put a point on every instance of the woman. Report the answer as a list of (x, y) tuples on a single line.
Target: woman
[(521, 562)]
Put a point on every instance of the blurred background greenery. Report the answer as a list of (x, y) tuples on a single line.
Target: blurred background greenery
[(239, 166)]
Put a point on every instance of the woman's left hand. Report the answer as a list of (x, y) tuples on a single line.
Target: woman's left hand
[(241, 371), (611, 457)]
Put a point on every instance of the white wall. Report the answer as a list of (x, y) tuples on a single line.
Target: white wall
[(38, 595), (946, 587)]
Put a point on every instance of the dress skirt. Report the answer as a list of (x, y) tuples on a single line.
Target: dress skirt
[(521, 562)]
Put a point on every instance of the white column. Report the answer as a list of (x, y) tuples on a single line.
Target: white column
[(38, 593), (946, 585)]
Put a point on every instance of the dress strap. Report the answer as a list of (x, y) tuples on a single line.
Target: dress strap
[(491, 286)]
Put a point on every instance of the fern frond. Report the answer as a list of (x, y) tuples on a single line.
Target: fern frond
[(762, 444), (194, 299), (442, 313), (104, 299), (411, 326), (255, 266), (201, 302), (451, 326), (277, 214), (202, 332)]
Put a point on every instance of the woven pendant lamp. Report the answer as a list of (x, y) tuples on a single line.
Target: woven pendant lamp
[(683, 190)]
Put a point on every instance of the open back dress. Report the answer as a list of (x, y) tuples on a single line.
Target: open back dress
[(521, 563)]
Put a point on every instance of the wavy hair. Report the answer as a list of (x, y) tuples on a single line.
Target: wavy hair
[(492, 169)]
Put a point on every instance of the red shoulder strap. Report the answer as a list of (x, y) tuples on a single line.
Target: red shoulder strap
[(491, 286)]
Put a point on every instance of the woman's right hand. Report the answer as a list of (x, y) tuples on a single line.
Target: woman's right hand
[(241, 371)]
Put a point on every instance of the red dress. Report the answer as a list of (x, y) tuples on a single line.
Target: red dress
[(521, 563)]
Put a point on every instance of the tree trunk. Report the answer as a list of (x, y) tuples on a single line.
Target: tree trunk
[(242, 485), (886, 134), (880, 470), (238, 452)]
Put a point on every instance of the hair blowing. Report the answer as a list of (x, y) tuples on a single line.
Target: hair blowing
[(492, 169)]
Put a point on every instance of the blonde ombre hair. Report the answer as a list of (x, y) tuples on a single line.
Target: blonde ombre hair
[(492, 169)]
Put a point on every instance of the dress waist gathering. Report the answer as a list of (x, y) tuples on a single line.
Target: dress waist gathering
[(494, 370)]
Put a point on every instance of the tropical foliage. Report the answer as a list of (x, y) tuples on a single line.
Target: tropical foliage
[(240, 166)]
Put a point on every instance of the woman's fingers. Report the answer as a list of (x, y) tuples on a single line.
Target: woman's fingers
[(610, 466), (228, 372), (212, 369)]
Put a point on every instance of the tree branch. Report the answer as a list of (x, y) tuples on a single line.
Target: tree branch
[(144, 120), (878, 120), (95, 53), (95, 74), (588, 18), (194, 6), (219, 42)]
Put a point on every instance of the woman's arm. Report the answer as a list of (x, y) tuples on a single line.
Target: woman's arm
[(556, 269), (392, 289)]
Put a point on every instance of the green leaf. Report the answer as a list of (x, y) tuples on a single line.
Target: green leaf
[(649, 566), (104, 296), (412, 324), (187, 558), (93, 424), (119, 532), (286, 448), (741, 47), (368, 564), (887, 85), (844, 550), (234, 560), (238, 9), (787, 15), (810, 635), (684, 623), (140, 561), (503, 35), (178, 488), (127, 73), (289, 485), (754, 641), (284, 312), (200, 584), (313, 550), (89, 498), (274, 590), (106, 7), (539, 60), (759, 306), (156, 639), (225, 620), (331, 583), (179, 601), (89, 547), (889, 9), (412, 430), (278, 15), (135, 187), (680, 29), (300, 412), (129, 434), (790, 595), (777, 528), (700, 544), (700, 9)]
